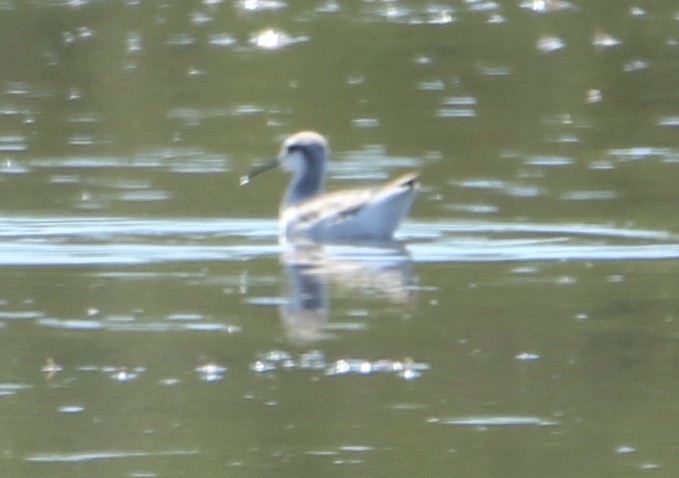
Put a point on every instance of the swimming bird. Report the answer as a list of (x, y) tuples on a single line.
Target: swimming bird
[(308, 213)]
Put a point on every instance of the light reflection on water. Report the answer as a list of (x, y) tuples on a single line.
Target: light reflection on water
[(101, 240), (102, 455)]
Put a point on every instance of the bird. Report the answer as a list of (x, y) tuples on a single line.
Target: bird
[(308, 213)]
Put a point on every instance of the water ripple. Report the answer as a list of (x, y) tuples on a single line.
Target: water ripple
[(154, 327), (495, 421), (538, 251), (80, 457), (315, 360), (125, 241)]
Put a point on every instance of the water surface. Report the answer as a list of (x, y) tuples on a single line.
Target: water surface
[(523, 324)]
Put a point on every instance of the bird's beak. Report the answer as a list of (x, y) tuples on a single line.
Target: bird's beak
[(262, 168)]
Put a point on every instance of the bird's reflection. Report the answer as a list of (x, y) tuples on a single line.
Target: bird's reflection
[(382, 269)]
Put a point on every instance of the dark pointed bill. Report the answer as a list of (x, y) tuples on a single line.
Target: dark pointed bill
[(258, 170)]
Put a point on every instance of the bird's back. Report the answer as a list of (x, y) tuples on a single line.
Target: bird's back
[(357, 214)]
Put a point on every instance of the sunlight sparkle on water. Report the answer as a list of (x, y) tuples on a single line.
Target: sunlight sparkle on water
[(272, 39), (495, 421)]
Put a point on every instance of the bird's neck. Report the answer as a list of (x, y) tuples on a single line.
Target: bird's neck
[(304, 186)]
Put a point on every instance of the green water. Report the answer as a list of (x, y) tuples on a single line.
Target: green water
[(151, 326)]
